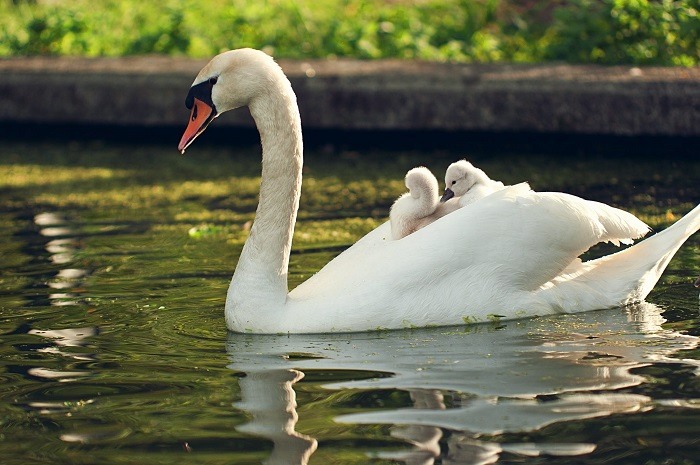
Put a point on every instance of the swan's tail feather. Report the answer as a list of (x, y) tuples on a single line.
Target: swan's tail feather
[(622, 227), (624, 277)]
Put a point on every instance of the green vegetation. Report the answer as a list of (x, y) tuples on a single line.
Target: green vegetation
[(664, 32), (628, 31)]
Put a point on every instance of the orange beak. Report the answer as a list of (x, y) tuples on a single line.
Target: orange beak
[(202, 114)]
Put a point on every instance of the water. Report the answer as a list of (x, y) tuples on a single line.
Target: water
[(114, 349)]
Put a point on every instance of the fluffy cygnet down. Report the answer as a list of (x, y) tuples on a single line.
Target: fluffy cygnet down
[(468, 183), (419, 206)]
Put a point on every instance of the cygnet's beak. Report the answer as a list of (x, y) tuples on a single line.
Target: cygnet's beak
[(202, 114), (447, 195)]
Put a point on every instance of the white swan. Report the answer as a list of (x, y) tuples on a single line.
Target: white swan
[(419, 206), (518, 258), (468, 183)]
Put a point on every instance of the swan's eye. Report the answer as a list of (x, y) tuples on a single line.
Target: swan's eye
[(454, 182), (212, 80)]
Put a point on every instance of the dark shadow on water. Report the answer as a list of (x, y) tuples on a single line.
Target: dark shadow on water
[(393, 140)]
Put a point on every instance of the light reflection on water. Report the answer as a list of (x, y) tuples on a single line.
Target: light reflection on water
[(112, 350), (62, 246)]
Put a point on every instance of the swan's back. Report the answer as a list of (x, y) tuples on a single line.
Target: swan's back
[(443, 268)]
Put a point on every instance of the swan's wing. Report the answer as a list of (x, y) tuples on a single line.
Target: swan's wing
[(610, 224), (552, 229)]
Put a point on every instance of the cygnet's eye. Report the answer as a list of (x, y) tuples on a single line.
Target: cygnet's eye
[(454, 182), (212, 80)]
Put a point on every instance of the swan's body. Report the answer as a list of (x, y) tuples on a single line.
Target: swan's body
[(517, 258), (418, 207), (468, 183)]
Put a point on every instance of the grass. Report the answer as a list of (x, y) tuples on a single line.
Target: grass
[(663, 32)]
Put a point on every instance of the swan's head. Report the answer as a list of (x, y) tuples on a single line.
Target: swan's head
[(230, 80), (421, 183), (460, 177)]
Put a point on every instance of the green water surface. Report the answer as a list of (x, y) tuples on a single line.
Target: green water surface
[(115, 263)]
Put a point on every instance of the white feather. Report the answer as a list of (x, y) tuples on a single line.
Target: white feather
[(420, 206), (469, 183), (513, 254)]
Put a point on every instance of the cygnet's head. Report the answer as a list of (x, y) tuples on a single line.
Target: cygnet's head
[(421, 183), (460, 177), (230, 80)]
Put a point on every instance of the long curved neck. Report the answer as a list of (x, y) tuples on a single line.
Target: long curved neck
[(259, 284)]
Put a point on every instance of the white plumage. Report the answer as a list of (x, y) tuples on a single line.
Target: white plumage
[(514, 253), (420, 206), (468, 183)]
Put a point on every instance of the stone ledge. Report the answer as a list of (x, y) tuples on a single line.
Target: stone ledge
[(381, 95)]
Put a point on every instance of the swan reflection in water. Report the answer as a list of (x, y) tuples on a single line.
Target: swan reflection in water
[(496, 379)]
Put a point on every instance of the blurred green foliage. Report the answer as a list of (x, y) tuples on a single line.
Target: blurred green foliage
[(627, 31), (664, 32)]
